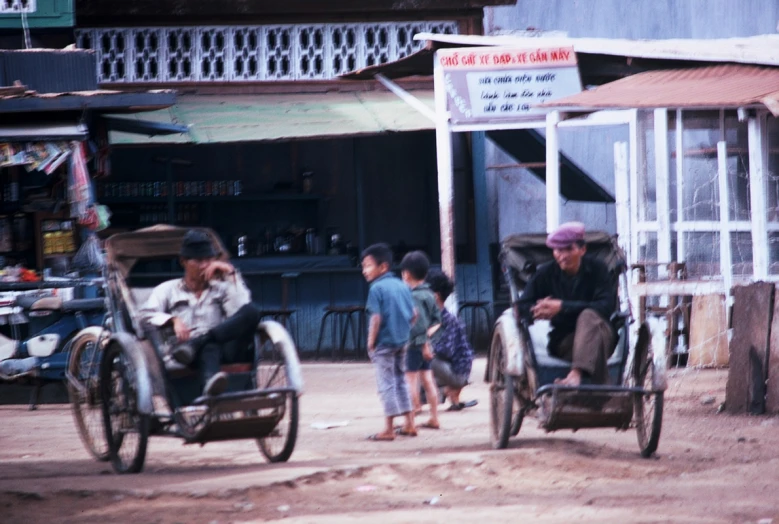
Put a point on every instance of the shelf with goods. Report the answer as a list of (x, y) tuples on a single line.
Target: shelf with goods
[(243, 220), (56, 239)]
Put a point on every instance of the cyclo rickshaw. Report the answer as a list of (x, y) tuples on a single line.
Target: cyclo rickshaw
[(522, 373), (124, 386)]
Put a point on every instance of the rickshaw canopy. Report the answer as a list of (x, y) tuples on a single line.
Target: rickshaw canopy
[(124, 250), (525, 252)]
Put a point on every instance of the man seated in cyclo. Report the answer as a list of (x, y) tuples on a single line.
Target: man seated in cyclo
[(577, 295), (209, 310)]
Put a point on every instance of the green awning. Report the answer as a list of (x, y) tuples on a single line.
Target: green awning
[(268, 118)]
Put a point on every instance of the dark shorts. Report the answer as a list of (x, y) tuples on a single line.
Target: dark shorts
[(414, 360), (444, 376)]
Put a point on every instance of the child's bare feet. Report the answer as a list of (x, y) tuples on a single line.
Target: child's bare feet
[(407, 431), (382, 436)]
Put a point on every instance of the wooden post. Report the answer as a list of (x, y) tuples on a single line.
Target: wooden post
[(661, 177), (772, 380), (552, 171), (752, 309), (708, 332), (445, 179), (757, 197), (481, 208)]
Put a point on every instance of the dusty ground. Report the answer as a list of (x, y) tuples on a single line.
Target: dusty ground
[(709, 468)]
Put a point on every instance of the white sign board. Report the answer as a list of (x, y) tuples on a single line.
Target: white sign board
[(505, 83)]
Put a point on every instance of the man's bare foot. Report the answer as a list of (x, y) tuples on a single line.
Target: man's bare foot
[(574, 378)]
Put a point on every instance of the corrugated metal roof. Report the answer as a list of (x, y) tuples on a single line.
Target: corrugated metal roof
[(49, 70), (44, 131), (722, 86), (760, 49), (268, 118), (19, 100)]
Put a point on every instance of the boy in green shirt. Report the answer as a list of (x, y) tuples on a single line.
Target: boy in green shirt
[(414, 267)]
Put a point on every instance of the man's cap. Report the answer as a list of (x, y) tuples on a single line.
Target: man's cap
[(197, 244), (565, 235)]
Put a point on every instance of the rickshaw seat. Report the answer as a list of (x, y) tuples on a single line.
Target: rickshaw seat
[(26, 301), (83, 304), (141, 294), (539, 334)]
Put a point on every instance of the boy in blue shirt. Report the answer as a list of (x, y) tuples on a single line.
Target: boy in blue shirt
[(391, 314), (413, 270)]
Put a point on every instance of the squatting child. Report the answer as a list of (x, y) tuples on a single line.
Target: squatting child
[(391, 313), (414, 267)]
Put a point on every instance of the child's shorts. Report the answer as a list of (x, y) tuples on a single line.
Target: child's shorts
[(414, 360)]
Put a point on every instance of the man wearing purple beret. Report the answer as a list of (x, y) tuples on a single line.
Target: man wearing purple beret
[(577, 295)]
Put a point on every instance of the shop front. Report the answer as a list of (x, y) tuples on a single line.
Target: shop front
[(295, 185), (52, 144)]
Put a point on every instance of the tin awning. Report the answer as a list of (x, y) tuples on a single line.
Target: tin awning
[(712, 87), (43, 132), (274, 117)]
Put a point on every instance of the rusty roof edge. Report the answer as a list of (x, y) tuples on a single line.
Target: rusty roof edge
[(721, 86), (772, 103), (758, 49)]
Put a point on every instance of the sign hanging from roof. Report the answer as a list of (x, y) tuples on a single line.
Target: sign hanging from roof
[(499, 84)]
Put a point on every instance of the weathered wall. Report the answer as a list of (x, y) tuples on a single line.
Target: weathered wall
[(639, 18), (518, 196)]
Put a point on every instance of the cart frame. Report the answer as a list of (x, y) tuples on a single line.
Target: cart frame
[(521, 373), (122, 374)]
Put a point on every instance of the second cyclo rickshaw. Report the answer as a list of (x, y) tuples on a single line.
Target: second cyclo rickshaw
[(522, 373), (125, 387)]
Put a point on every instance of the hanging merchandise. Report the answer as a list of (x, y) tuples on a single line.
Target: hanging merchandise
[(79, 193), (96, 218), (89, 257), (103, 151)]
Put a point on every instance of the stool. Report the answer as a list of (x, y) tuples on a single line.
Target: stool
[(282, 316), (279, 315), (342, 320), (474, 308)]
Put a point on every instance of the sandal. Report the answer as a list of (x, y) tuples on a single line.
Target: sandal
[(381, 437), (430, 425), (406, 433), (455, 407)]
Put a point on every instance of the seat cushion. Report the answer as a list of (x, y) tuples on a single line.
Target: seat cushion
[(141, 294), (539, 334)]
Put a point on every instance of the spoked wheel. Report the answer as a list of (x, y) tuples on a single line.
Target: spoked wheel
[(127, 430), (271, 372), (505, 414), (647, 407), (84, 392)]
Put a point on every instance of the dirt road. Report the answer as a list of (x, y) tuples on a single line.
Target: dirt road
[(710, 468)]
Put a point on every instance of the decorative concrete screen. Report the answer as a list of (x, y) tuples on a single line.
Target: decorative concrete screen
[(17, 6), (250, 53)]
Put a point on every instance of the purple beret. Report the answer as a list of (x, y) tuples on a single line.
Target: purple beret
[(565, 235)]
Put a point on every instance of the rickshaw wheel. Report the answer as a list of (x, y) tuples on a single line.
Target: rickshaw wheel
[(84, 391), (647, 407), (126, 430), (271, 372), (503, 416)]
